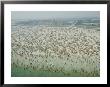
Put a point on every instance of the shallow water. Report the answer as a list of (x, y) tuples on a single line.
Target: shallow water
[(20, 72)]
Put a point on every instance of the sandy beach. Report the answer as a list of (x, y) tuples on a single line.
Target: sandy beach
[(55, 51)]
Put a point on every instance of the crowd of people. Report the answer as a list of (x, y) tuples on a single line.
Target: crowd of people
[(57, 49)]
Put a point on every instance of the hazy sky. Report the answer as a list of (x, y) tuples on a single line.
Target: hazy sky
[(53, 14)]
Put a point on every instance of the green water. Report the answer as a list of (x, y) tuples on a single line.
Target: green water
[(21, 72)]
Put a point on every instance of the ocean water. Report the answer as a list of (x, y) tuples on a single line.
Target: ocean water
[(79, 23)]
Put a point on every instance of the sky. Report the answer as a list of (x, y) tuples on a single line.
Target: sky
[(53, 14)]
